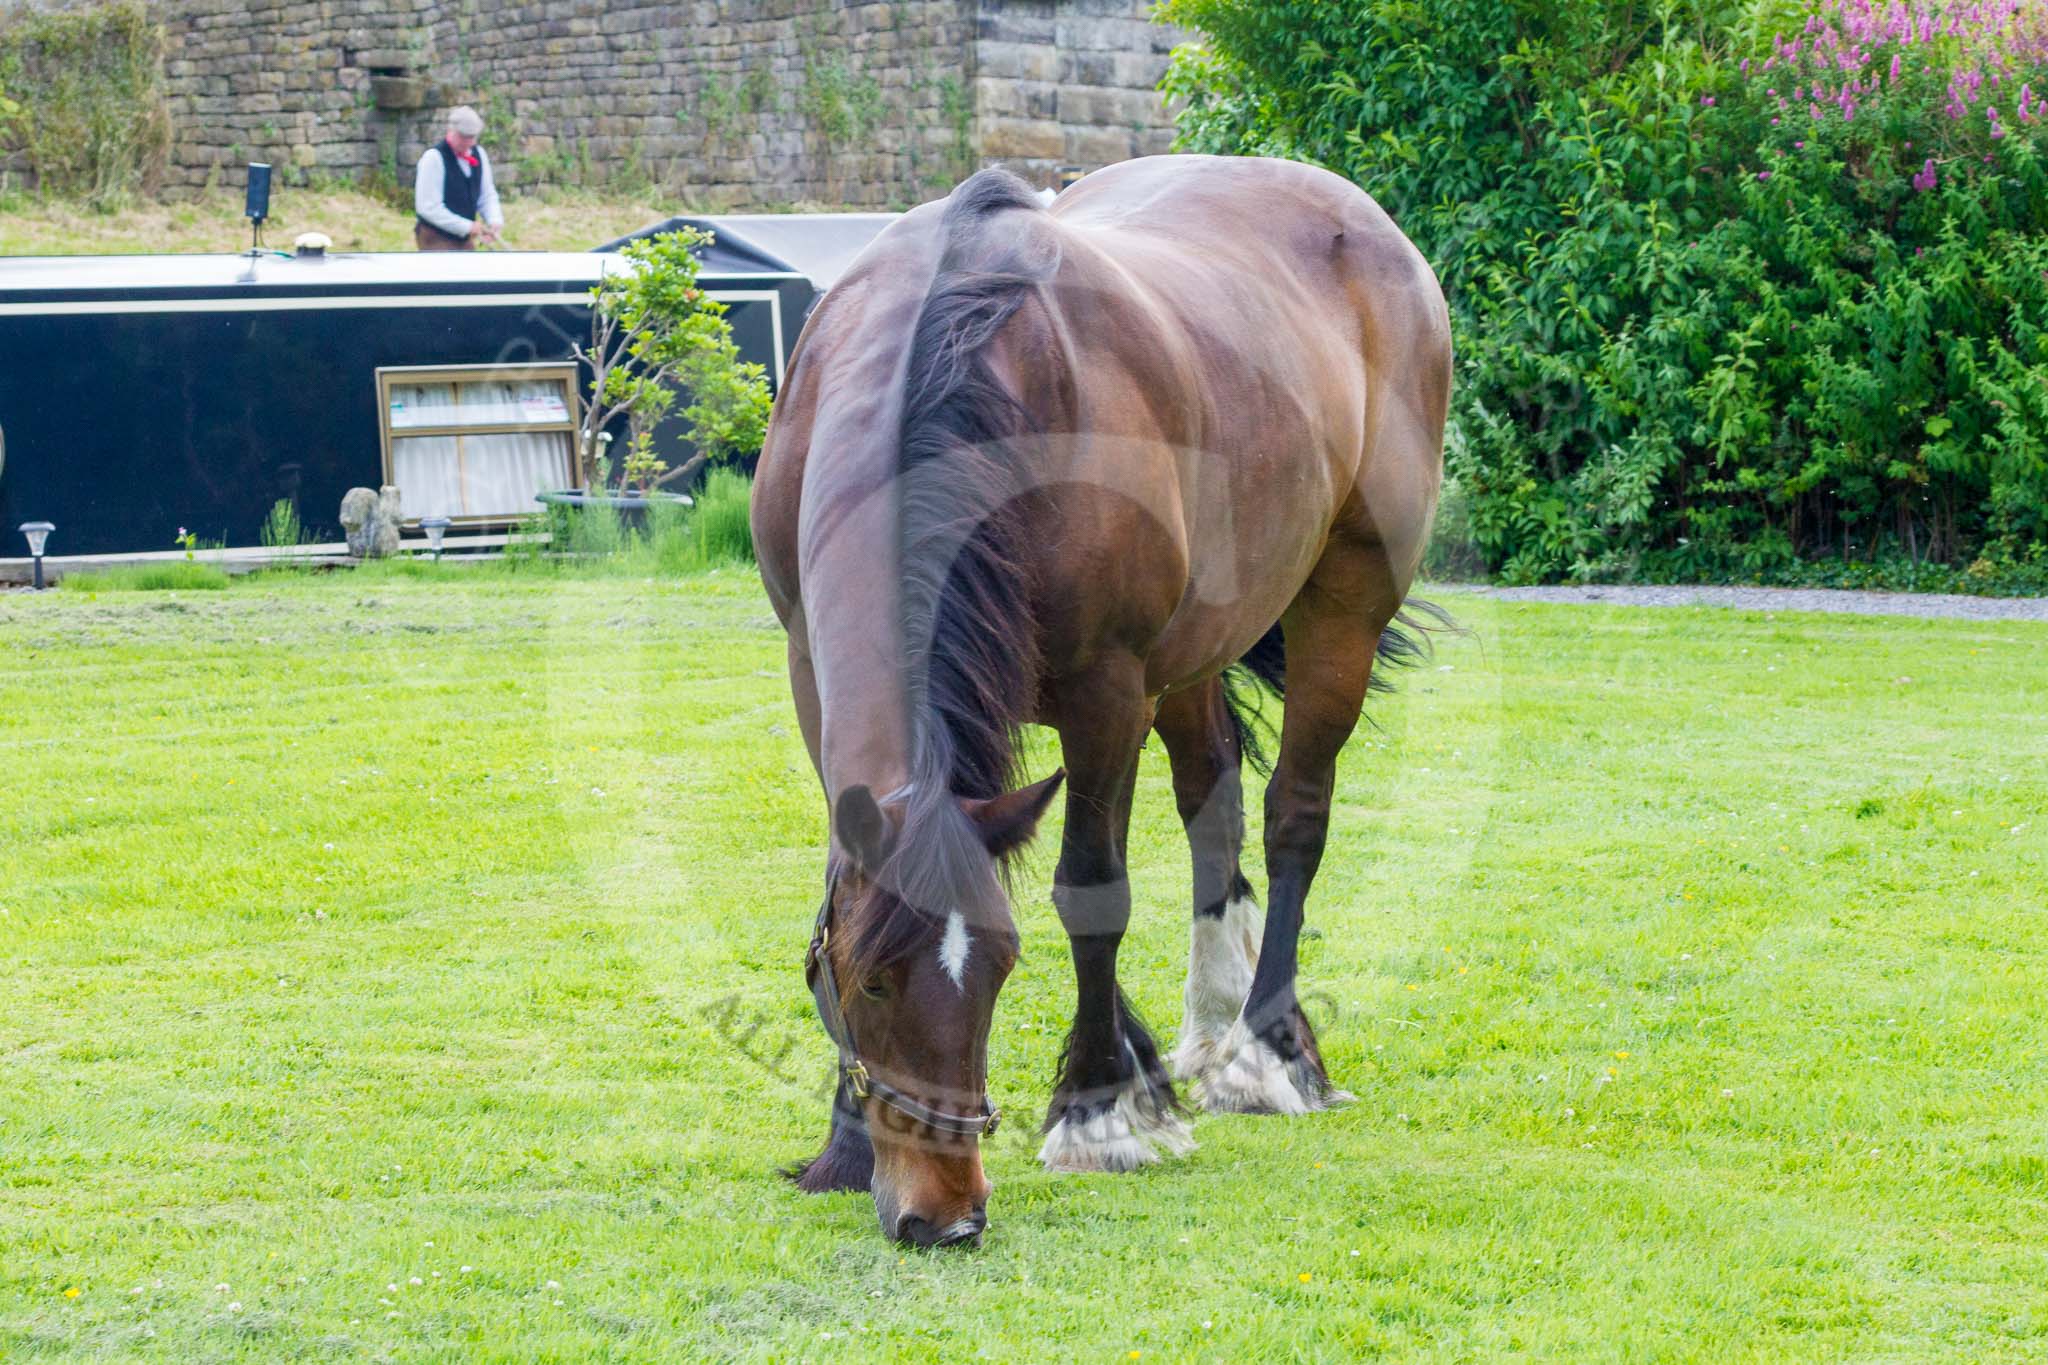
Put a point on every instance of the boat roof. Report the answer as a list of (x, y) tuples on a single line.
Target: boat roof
[(29, 279), (818, 246)]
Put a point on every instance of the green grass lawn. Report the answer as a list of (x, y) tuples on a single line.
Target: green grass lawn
[(408, 968)]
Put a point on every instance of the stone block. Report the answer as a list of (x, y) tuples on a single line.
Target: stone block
[(1017, 61), (1008, 137), (1093, 147)]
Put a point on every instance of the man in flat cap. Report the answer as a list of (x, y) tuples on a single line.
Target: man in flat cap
[(453, 194)]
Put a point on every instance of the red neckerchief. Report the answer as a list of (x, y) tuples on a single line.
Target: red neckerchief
[(470, 157)]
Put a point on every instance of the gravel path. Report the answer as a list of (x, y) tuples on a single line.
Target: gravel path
[(1927, 604)]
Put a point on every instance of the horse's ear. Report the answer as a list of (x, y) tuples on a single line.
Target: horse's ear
[(862, 828), (1007, 822)]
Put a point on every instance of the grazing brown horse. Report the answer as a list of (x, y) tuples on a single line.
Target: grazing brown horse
[(1067, 466)]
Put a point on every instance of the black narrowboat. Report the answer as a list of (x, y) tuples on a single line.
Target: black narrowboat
[(142, 396)]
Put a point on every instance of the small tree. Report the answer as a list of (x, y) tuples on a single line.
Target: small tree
[(654, 336)]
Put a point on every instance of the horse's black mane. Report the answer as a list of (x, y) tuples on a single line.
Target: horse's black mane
[(970, 646)]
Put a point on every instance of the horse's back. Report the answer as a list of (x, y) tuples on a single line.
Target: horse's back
[(1294, 347)]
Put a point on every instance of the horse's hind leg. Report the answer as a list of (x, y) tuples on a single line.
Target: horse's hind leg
[(1269, 1062), (1202, 740), (1113, 1107)]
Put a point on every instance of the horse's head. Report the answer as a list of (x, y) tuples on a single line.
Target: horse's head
[(917, 941)]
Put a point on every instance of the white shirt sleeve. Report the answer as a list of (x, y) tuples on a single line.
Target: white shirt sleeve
[(429, 198), (487, 207)]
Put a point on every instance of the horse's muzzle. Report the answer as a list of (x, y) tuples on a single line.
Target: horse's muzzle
[(966, 1232)]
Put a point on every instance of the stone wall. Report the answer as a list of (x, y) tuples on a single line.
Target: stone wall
[(721, 103)]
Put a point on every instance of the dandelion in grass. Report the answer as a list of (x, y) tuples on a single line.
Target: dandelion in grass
[(73, 1292), (234, 1308)]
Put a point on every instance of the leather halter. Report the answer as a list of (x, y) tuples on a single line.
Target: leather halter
[(860, 1082)]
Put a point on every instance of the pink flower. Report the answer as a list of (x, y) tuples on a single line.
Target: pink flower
[(1927, 178)]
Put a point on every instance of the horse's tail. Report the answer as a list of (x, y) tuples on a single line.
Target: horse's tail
[(1405, 641)]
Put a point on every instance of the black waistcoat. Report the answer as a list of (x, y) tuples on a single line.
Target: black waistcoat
[(458, 191)]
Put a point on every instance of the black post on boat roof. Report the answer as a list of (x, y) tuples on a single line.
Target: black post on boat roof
[(256, 207)]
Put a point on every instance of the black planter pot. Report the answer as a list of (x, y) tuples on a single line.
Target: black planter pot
[(630, 508)]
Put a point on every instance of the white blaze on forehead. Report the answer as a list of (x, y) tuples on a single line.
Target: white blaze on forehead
[(953, 950)]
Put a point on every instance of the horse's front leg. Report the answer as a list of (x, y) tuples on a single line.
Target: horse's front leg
[(1113, 1106), (848, 1161)]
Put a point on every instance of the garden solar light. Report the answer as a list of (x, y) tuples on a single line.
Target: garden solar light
[(38, 533), (436, 528)]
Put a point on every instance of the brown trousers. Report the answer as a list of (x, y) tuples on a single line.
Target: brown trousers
[(427, 237)]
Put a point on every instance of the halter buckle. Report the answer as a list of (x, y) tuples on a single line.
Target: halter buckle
[(995, 1117), (857, 1078)]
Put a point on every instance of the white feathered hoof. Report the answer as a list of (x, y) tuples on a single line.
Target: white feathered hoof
[(1196, 1052), (1250, 1077), (1222, 953), (1135, 1130)]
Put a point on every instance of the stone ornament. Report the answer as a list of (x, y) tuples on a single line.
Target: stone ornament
[(371, 519)]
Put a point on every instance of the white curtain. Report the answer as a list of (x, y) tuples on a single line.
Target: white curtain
[(502, 473), (422, 405), (428, 478), (520, 402)]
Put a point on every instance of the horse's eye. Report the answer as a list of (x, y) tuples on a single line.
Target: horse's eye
[(875, 988)]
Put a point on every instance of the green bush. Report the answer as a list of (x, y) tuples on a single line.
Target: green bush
[(282, 529), (712, 533), (1707, 325), (724, 532), (88, 115)]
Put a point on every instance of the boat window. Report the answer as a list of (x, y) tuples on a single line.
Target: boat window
[(475, 444)]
